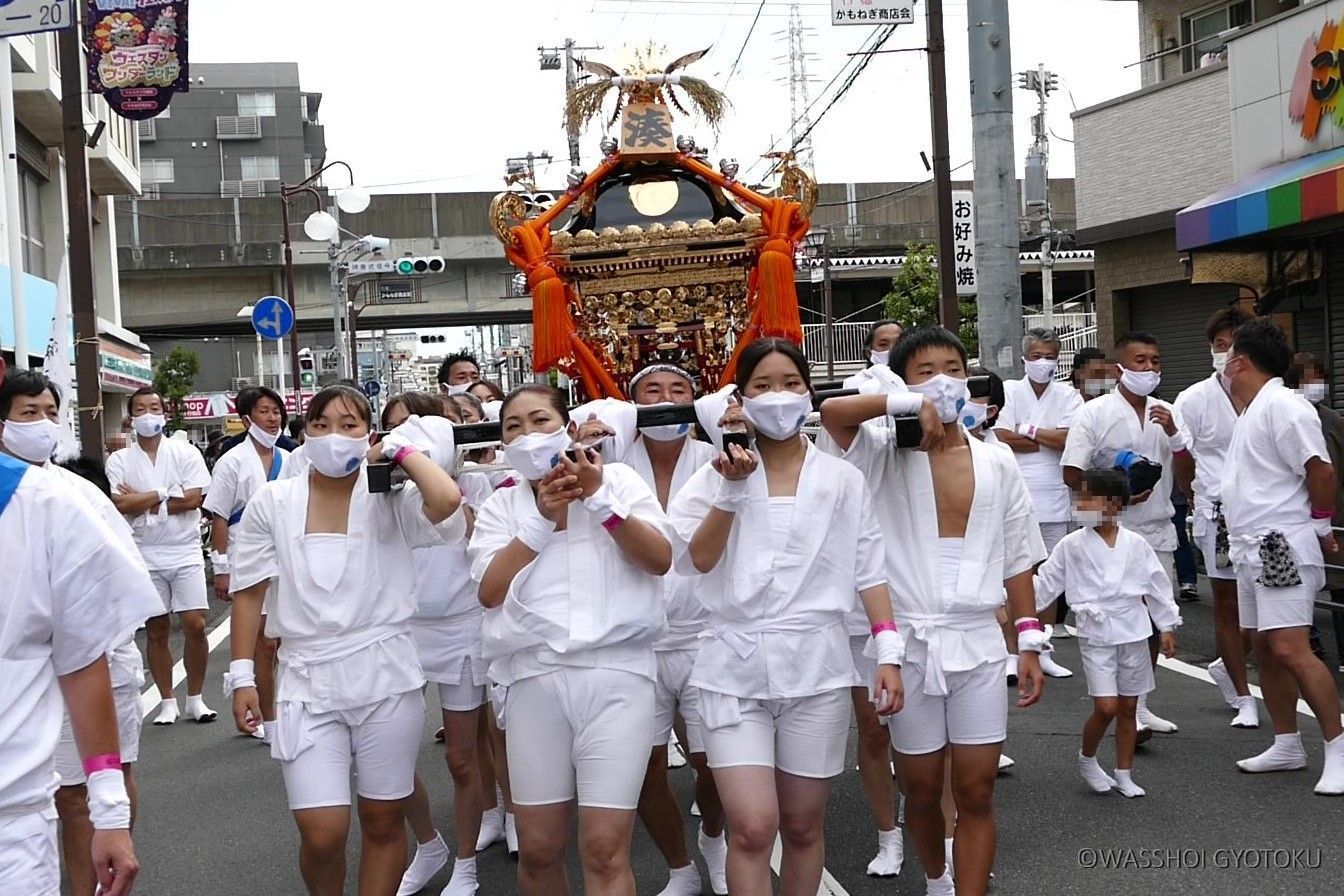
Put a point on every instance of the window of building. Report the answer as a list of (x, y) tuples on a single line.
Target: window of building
[(30, 223), (259, 104), (1201, 32), (260, 168), (156, 171)]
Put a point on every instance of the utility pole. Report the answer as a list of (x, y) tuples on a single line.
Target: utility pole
[(551, 59), (83, 304), (997, 240), (523, 169), (1036, 186), (942, 168), (337, 302)]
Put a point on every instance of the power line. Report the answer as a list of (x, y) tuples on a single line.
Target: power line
[(743, 48), (844, 88)]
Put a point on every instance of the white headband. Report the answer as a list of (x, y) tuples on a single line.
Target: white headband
[(661, 368)]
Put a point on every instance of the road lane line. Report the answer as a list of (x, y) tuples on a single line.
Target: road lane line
[(829, 885), (149, 700)]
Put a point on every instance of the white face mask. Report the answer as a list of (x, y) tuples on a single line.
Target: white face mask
[(266, 439), (534, 454), (458, 388), (1098, 387), (948, 394), (31, 440), (974, 414), (778, 415), (147, 426), (1140, 382), (1041, 371), (1312, 392), (669, 432), (880, 359), (1219, 361), (336, 456), (1089, 519)]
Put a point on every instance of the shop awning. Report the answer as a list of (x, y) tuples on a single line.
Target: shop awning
[(1291, 193)]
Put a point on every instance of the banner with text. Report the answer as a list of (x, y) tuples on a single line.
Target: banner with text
[(963, 240), (872, 12), (137, 53)]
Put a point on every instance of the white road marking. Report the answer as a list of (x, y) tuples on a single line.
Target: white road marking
[(149, 699), (829, 885)]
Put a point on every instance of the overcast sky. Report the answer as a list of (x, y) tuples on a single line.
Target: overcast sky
[(426, 95)]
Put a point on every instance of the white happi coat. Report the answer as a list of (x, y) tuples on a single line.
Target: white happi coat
[(73, 593), (1112, 590), (237, 476), (777, 619), (606, 613), (952, 621), (1264, 477), (1041, 470), (166, 540), (686, 614), (1208, 415), (345, 632), (1108, 424)]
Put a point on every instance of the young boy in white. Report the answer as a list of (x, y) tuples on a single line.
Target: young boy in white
[(1278, 497), (666, 457), (1128, 418), (1115, 584), (348, 691), (159, 485), (956, 491), (237, 476), (1208, 414)]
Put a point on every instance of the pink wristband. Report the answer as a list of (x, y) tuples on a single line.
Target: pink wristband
[(1029, 625), (101, 763), (401, 454), (883, 627), (1323, 514), (613, 522)]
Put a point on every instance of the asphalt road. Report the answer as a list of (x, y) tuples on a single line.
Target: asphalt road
[(213, 818)]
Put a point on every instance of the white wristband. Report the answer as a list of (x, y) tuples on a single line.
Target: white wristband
[(162, 493), (603, 504), (241, 674), (109, 806), (1026, 431), (887, 647), (1179, 442), (220, 563), (733, 494), (1032, 640), (903, 404), (1322, 527)]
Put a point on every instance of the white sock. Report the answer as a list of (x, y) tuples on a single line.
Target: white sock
[(168, 712), (1332, 776), (682, 882), (1090, 769), (1125, 784), (463, 882), (429, 858)]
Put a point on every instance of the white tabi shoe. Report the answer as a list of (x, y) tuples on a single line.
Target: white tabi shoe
[(1286, 754), (198, 712), (1332, 778), (1248, 714), (463, 882), (492, 828), (1090, 769), (168, 712), (1223, 681), (675, 758), (714, 850), (1052, 668), (940, 886), (1149, 719), (1125, 784), (682, 882), (890, 854), (430, 858)]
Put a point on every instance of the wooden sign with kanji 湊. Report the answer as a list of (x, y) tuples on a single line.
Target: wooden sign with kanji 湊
[(646, 131)]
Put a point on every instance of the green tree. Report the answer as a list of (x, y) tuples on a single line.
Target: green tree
[(913, 300), (174, 379)]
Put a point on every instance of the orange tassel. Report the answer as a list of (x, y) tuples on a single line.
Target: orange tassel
[(550, 318), (776, 297), (597, 382)]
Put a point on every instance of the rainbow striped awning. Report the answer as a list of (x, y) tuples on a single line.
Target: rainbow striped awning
[(1302, 190)]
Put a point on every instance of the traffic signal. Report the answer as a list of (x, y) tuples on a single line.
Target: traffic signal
[(428, 338), (422, 264), (307, 368)]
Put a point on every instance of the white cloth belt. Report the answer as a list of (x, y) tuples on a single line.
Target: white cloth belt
[(742, 638), (932, 629), (298, 654)]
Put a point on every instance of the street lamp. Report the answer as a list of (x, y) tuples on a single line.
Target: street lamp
[(819, 244), (321, 226)]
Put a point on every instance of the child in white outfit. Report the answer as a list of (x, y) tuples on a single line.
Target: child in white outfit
[(1118, 590)]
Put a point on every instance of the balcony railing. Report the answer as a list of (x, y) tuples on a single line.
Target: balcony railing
[(146, 131), (244, 189), (238, 127)]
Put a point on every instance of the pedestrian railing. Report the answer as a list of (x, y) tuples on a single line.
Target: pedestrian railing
[(851, 342)]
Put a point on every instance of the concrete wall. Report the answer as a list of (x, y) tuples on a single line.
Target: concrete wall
[(1156, 150)]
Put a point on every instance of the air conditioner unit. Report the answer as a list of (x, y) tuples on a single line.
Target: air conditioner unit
[(239, 383)]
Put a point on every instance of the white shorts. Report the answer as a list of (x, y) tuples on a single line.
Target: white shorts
[(70, 768), (463, 695), (1051, 533), (1263, 608), (804, 736), (579, 733), (28, 859), (1117, 670), (973, 712), (672, 692), (316, 750), (1206, 542), (865, 666), (181, 589)]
